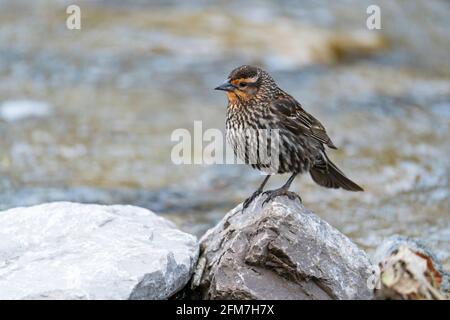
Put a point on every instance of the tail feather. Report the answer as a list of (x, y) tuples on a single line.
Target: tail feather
[(333, 178)]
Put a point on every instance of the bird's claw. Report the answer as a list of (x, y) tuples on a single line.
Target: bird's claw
[(272, 194), (250, 199)]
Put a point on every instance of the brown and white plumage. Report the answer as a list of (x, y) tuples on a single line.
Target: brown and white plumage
[(255, 103)]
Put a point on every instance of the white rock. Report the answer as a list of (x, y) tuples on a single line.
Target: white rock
[(15, 110), (68, 250)]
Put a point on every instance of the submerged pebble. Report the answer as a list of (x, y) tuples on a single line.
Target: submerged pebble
[(15, 110)]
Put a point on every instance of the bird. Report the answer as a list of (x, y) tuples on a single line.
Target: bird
[(256, 105)]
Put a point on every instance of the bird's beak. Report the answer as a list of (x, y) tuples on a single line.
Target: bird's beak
[(226, 86)]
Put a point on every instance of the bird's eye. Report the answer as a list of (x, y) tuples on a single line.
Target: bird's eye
[(242, 84)]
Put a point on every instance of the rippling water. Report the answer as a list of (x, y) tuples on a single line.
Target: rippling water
[(87, 115)]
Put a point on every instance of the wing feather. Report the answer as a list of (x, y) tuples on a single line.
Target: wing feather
[(300, 121)]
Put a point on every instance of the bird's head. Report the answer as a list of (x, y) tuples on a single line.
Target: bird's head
[(244, 83)]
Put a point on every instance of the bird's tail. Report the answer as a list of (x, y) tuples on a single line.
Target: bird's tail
[(331, 177)]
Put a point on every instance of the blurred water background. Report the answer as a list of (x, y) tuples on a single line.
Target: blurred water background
[(86, 115)]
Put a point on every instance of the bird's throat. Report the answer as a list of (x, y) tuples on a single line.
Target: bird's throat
[(236, 97), (232, 98)]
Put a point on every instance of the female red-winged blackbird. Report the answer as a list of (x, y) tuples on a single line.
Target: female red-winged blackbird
[(258, 107)]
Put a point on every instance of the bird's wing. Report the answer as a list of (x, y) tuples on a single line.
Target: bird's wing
[(299, 121)]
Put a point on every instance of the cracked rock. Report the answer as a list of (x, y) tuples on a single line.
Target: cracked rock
[(279, 251)]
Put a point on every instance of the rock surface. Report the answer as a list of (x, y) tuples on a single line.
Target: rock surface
[(68, 250), (279, 251)]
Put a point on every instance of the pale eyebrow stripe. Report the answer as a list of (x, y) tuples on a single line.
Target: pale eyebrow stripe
[(249, 80), (253, 79)]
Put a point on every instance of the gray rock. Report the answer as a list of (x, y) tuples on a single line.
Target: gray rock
[(279, 251), (68, 250)]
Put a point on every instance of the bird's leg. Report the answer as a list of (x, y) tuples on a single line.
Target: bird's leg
[(256, 193), (283, 191)]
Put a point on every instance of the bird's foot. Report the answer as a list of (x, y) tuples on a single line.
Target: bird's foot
[(272, 194), (250, 199)]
